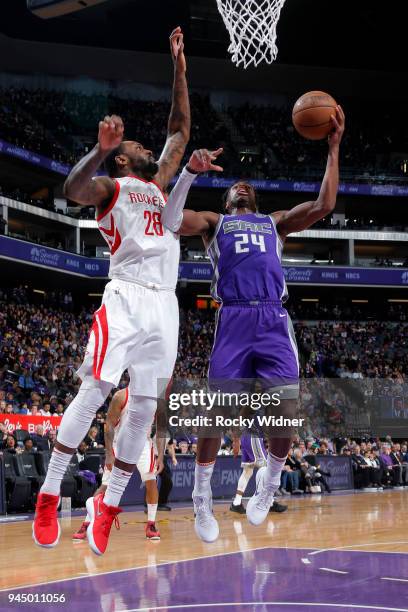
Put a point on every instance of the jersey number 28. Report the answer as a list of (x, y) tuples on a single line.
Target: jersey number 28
[(154, 226), (243, 239)]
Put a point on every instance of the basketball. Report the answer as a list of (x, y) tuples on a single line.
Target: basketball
[(311, 114)]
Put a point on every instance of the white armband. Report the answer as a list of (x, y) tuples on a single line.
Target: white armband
[(172, 215)]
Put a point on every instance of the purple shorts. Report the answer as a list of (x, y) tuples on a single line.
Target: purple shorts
[(253, 451), (255, 340)]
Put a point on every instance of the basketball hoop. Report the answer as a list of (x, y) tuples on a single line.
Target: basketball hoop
[(251, 25)]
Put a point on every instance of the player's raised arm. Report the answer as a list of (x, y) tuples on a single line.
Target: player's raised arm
[(80, 186), (178, 129), (304, 215), (172, 216)]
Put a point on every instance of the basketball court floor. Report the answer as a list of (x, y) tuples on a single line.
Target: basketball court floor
[(345, 551)]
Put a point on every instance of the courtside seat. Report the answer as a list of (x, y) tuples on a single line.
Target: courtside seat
[(24, 465), (21, 435), (84, 488), (68, 484), (18, 488)]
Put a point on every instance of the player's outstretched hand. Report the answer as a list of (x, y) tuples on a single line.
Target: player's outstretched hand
[(110, 132), (202, 161), (339, 122), (177, 49)]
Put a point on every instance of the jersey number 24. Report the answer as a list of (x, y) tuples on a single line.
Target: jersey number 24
[(244, 239)]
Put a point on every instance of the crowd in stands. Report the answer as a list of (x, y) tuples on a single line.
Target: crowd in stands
[(62, 125), (42, 345)]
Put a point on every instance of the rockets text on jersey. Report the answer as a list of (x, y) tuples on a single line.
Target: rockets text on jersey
[(141, 248)]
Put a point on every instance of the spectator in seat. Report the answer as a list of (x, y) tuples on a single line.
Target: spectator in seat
[(3, 435), (183, 447), (59, 410), (391, 472), (360, 469), (91, 438), (81, 451), (28, 445), (46, 409), (52, 438), (291, 475), (398, 462), (11, 445), (375, 468), (39, 440), (35, 410), (9, 409), (23, 408)]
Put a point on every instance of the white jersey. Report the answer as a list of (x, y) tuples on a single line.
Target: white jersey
[(141, 249)]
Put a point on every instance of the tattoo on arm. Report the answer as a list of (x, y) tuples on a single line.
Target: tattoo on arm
[(178, 131)]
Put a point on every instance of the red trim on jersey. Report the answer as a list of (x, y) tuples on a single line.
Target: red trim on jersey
[(95, 330), (168, 389), (113, 232), (117, 242), (153, 182), (151, 469), (103, 321), (111, 203)]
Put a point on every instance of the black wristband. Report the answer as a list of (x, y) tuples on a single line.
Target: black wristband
[(190, 170)]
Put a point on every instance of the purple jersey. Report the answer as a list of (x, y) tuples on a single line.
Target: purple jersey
[(246, 255)]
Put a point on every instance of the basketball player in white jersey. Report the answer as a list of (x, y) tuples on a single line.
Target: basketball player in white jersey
[(146, 465), (136, 327)]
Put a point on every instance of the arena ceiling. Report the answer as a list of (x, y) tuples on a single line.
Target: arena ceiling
[(365, 34)]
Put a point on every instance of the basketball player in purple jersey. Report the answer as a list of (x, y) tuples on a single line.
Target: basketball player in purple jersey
[(254, 337)]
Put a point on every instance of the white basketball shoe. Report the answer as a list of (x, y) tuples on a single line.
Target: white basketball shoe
[(258, 506), (206, 525)]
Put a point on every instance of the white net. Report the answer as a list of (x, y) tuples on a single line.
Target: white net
[(251, 25)]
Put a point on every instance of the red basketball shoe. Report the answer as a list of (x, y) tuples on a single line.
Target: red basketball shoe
[(81, 533), (46, 528), (102, 517), (152, 533)]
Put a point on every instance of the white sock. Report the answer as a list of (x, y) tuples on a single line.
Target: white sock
[(117, 484), (57, 467), (243, 483), (274, 467), (151, 512), (237, 500), (202, 478)]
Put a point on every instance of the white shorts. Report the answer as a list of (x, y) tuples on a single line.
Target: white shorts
[(146, 465), (136, 328)]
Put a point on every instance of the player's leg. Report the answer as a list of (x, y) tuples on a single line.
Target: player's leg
[(228, 364), (152, 498), (157, 317), (146, 467), (74, 426), (277, 364), (129, 446), (246, 475)]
